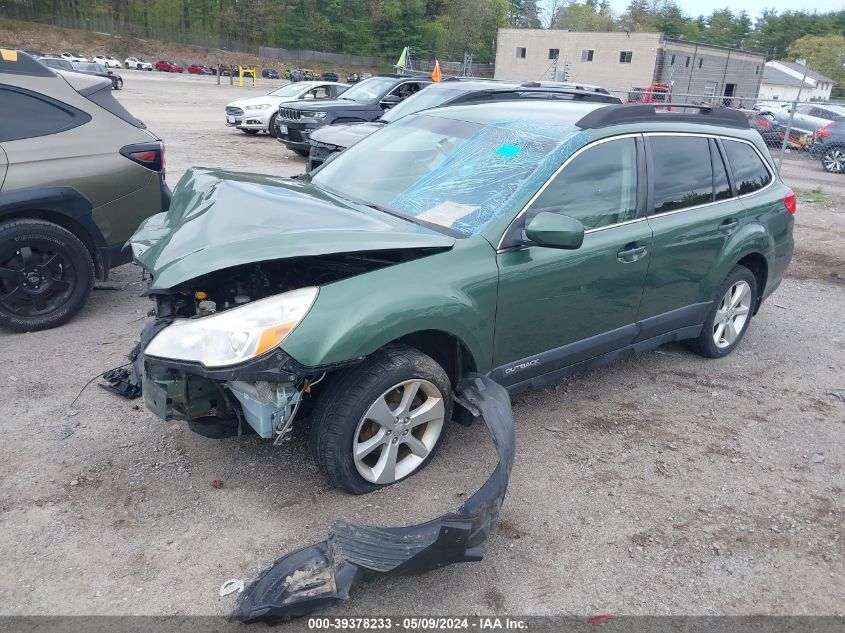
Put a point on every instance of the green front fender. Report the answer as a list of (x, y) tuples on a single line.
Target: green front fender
[(453, 292)]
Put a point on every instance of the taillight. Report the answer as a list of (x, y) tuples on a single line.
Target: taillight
[(789, 202), (823, 131), (149, 155), (762, 122)]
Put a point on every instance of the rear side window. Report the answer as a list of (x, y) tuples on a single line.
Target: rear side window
[(27, 115), (750, 173), (683, 176), (599, 186)]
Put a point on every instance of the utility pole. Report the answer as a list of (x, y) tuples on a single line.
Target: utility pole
[(791, 115)]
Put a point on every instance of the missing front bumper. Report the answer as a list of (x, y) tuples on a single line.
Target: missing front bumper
[(324, 573)]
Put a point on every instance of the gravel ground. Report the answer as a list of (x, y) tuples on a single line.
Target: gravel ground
[(663, 484)]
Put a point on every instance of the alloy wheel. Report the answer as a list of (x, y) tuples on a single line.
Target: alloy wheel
[(398, 431), (34, 282), (834, 161), (732, 314)]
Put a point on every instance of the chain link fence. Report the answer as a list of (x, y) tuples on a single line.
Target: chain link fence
[(805, 138)]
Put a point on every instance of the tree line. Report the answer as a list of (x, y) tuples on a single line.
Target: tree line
[(441, 28)]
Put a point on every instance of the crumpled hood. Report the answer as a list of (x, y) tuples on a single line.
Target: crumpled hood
[(345, 135), (219, 219)]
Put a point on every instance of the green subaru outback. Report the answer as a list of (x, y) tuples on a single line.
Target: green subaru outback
[(78, 173), (525, 242)]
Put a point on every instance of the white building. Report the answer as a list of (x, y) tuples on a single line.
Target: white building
[(782, 80)]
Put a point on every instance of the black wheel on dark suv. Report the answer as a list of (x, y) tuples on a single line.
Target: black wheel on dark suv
[(46, 275)]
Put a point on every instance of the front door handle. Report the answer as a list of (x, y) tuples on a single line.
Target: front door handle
[(729, 225), (631, 253)]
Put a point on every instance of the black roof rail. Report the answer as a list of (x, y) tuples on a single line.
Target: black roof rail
[(17, 62), (647, 113), (570, 94)]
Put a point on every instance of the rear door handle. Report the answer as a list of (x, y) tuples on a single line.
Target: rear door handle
[(631, 253), (729, 225)]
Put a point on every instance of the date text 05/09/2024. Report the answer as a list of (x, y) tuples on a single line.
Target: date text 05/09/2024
[(479, 623)]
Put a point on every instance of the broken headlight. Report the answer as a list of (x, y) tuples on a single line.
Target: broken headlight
[(231, 337)]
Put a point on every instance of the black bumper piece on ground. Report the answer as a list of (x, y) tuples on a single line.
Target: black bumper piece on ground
[(321, 574)]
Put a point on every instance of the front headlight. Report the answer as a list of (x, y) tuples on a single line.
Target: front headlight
[(314, 115), (259, 106), (231, 337)]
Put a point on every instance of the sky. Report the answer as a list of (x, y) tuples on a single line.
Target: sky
[(695, 8)]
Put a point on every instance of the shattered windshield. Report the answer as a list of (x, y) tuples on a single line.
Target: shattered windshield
[(456, 174)]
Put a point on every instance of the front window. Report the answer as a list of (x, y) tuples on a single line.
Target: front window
[(429, 97), (369, 90), (455, 174)]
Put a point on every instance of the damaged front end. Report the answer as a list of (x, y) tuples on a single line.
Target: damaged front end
[(324, 573), (236, 263)]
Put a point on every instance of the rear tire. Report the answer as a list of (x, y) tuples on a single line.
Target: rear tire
[(344, 417), (46, 275), (730, 316), (303, 152), (833, 160), (119, 85)]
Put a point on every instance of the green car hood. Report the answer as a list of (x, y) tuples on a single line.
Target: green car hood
[(219, 219)]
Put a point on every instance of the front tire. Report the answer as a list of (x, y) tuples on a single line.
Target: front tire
[(119, 84), (729, 317), (46, 275), (271, 128), (382, 420)]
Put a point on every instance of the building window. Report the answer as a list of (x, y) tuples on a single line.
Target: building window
[(587, 55), (520, 52), (687, 64), (700, 62), (625, 57), (710, 89), (672, 63), (554, 53)]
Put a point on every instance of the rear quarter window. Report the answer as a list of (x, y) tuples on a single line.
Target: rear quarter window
[(749, 171), (28, 115)]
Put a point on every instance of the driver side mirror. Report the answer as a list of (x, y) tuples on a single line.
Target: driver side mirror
[(554, 230), (389, 101)]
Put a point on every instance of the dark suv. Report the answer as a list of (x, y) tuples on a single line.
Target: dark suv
[(366, 101), (829, 146), (78, 173), (453, 91)]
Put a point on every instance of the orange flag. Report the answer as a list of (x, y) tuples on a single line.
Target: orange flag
[(435, 74)]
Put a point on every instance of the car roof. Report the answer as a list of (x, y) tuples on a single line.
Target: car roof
[(549, 112)]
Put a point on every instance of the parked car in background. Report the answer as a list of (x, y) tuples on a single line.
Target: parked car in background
[(59, 63), (98, 70), (199, 69), (106, 60), (270, 73), (767, 125), (137, 63), (168, 67), (655, 93), (80, 174), (259, 114), (354, 78), (329, 76), (365, 101), (335, 138), (829, 146), (74, 57), (509, 239), (807, 118)]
